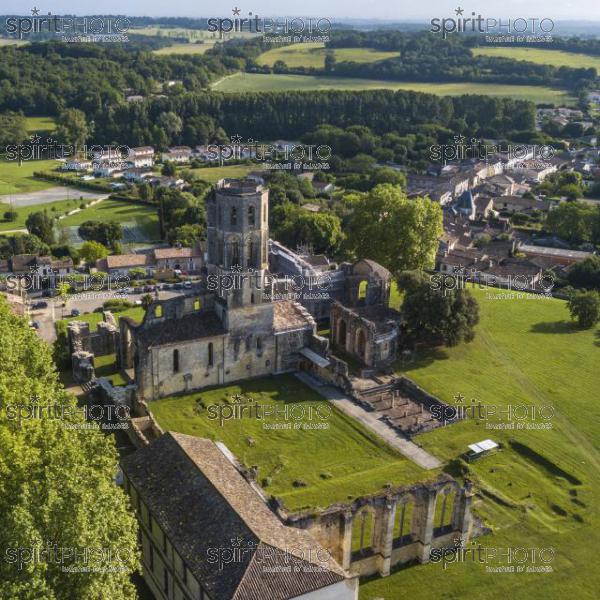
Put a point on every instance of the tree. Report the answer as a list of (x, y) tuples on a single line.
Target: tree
[(107, 233), (186, 235), (41, 225), (11, 215), (329, 61), (72, 127), (573, 221), (147, 300), (436, 315), (397, 232), (586, 274), (170, 123), (169, 169), (13, 129), (90, 252), (585, 307), (57, 484)]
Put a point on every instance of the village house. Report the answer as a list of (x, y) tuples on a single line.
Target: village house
[(188, 260), (178, 154), (141, 156), (120, 264)]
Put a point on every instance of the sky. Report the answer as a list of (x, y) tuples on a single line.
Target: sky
[(424, 10)]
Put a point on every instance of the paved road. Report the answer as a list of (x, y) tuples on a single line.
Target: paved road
[(371, 421), (50, 195)]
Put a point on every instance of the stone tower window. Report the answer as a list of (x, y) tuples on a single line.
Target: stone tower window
[(210, 354), (251, 215), (175, 361), (233, 220)]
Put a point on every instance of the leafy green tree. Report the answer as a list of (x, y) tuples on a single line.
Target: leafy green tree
[(147, 300), (169, 169), (586, 274), (572, 221), (11, 216), (13, 129), (433, 315), (57, 485), (389, 228), (186, 235), (107, 233), (90, 252), (584, 306), (41, 224), (387, 175), (72, 126)]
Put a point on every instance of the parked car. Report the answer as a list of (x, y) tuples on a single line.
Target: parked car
[(75, 312), (138, 290), (167, 286), (38, 305), (178, 286), (187, 285), (148, 288)]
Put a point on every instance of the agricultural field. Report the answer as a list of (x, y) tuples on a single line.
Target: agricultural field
[(190, 48), (15, 179), (258, 82), (558, 58), (540, 490), (12, 42), (305, 467), (313, 55)]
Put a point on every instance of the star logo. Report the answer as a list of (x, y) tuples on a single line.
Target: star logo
[(459, 139), (35, 139), (236, 11), (237, 398), (236, 139), (459, 398), (236, 269), (35, 11), (459, 11)]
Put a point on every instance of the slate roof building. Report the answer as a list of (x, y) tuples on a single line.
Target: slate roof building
[(208, 534)]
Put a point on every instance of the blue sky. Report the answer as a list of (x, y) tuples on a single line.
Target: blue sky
[(588, 10)]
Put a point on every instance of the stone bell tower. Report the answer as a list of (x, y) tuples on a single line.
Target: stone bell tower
[(238, 233)]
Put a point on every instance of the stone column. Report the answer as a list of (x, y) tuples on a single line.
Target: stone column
[(346, 544), (424, 522), (462, 518), (384, 533)]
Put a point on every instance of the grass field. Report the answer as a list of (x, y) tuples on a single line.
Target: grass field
[(53, 208), (313, 55), (258, 82), (336, 464), (12, 42), (145, 217), (15, 179), (41, 125), (213, 174), (93, 318), (542, 494), (182, 48), (558, 58)]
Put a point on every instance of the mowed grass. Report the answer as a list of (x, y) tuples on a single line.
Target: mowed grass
[(144, 216), (542, 494), (336, 464), (259, 82), (313, 54), (54, 209), (40, 125), (542, 56), (213, 174), (136, 313), (15, 179), (182, 48)]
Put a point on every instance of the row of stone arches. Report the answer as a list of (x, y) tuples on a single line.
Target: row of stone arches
[(358, 345), (404, 528)]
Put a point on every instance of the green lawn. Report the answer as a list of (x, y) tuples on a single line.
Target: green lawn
[(143, 215), (15, 179), (258, 82), (543, 494), (313, 55), (336, 464), (41, 125), (542, 56), (213, 174), (106, 366), (93, 318), (54, 208)]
